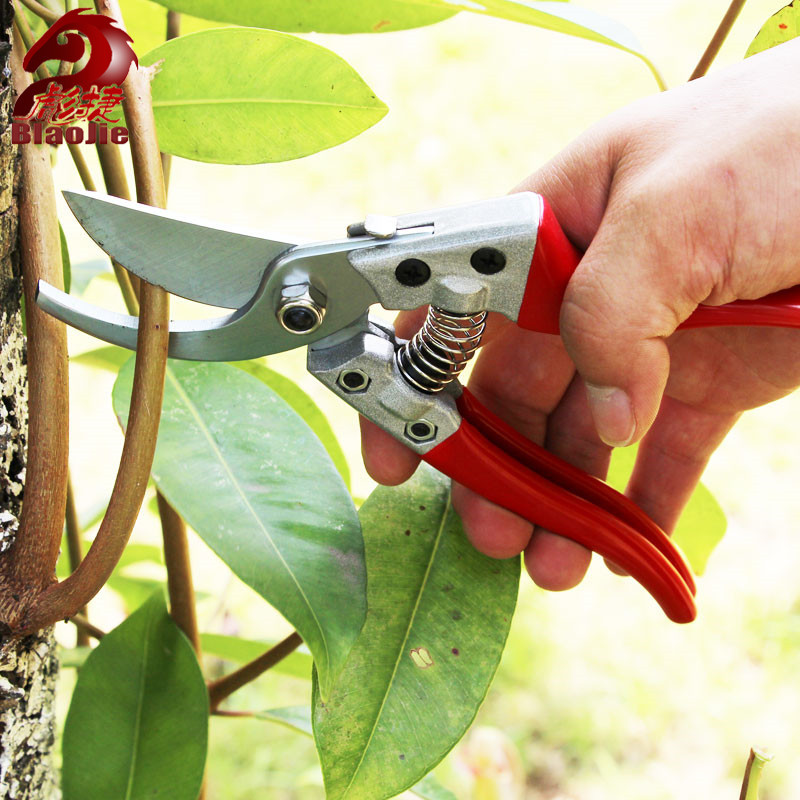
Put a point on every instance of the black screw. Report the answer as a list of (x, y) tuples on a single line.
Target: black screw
[(412, 272), (488, 260), (299, 319), (421, 429)]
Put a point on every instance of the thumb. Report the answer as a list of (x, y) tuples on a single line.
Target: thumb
[(619, 307), (611, 323)]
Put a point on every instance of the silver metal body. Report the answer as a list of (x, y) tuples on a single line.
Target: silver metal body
[(509, 224), (435, 257), (368, 347)]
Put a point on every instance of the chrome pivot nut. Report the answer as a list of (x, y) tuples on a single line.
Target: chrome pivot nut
[(301, 308)]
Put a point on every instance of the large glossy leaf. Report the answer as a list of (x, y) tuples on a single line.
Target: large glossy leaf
[(65, 259), (298, 718), (297, 664), (702, 524), (138, 721), (112, 358), (107, 357), (439, 614), (85, 272), (252, 479), (247, 96), (779, 28), (323, 16), (562, 18), (305, 407), (146, 23)]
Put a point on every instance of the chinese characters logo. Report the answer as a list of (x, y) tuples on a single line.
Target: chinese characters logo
[(50, 108)]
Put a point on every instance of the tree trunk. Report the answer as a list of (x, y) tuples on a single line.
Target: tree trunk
[(28, 667)]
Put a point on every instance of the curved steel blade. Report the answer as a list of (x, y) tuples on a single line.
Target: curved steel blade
[(202, 340), (219, 267)]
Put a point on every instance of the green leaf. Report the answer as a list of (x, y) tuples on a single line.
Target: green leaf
[(134, 590), (430, 789), (133, 554), (554, 15), (65, 262), (108, 357), (136, 553), (73, 657), (322, 16), (297, 664), (86, 271), (298, 718), (263, 96), (439, 614), (137, 725), (251, 478), (146, 23), (305, 407), (779, 28), (88, 518), (702, 524)]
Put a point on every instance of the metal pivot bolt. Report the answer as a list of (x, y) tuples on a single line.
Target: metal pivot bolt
[(420, 430), (301, 308), (353, 381)]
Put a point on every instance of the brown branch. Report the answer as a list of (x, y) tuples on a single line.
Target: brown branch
[(116, 183), (83, 168), (179, 571), (83, 625), (64, 599), (173, 32), (75, 551), (226, 686), (718, 39), (30, 565), (42, 11)]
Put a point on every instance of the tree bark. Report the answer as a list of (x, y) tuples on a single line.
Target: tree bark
[(28, 666)]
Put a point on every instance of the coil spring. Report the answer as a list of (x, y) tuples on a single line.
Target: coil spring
[(441, 348)]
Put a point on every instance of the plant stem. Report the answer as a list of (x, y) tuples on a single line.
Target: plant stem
[(218, 713), (173, 32), (224, 687), (30, 564), (75, 551), (176, 550), (64, 599), (179, 571), (83, 624), (83, 168), (116, 183), (752, 774), (42, 11), (720, 35)]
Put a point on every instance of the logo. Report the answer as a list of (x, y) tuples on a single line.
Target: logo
[(48, 110)]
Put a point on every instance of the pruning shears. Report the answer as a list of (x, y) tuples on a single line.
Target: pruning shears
[(507, 255)]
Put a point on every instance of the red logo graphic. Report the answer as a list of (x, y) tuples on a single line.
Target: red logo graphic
[(89, 94)]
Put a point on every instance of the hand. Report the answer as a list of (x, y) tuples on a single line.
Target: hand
[(688, 197)]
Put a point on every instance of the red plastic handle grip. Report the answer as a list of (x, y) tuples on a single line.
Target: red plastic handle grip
[(570, 478), (472, 460), (555, 259)]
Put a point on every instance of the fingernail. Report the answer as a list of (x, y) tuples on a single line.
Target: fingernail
[(612, 412)]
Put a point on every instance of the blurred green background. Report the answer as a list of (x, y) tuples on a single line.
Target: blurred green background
[(598, 696)]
